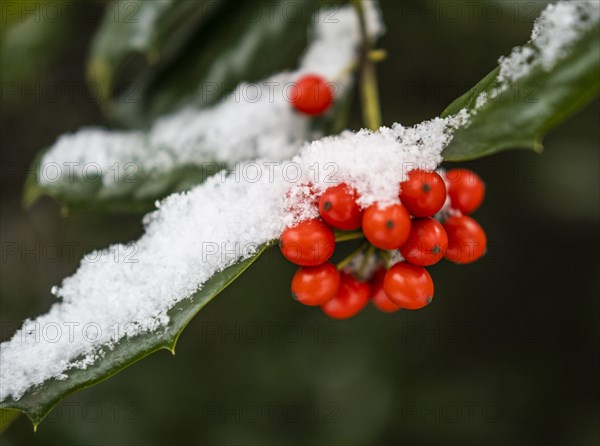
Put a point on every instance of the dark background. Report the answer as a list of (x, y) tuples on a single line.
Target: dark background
[(506, 354)]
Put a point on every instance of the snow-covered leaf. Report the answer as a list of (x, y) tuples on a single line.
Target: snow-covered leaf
[(127, 171), (37, 402), (137, 297), (246, 41), (531, 91)]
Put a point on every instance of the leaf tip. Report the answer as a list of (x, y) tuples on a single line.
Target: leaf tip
[(170, 347)]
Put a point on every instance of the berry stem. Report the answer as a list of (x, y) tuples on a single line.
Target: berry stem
[(368, 83), (386, 257), (365, 261), (341, 265), (345, 236)]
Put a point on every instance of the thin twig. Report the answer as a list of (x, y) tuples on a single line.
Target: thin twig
[(344, 263), (368, 83)]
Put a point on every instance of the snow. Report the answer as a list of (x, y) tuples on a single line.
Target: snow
[(554, 32), (229, 131), (193, 235)]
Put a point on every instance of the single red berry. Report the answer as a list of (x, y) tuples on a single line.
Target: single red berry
[(466, 239), (338, 207), (311, 95), (466, 190), (409, 286), (427, 242), (381, 301), (316, 285), (423, 193), (309, 243), (386, 228), (351, 298)]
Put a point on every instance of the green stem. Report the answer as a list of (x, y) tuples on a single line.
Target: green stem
[(370, 252), (344, 263), (347, 236), (386, 257), (368, 83)]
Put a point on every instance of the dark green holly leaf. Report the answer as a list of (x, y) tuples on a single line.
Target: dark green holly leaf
[(38, 401), (248, 41), (521, 115), (133, 193), (154, 31)]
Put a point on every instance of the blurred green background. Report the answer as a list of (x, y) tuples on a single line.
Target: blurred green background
[(507, 354)]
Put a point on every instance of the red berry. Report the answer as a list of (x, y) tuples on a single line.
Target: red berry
[(338, 207), (316, 285), (381, 301), (311, 95), (466, 190), (423, 193), (386, 228), (408, 285), (351, 298), (427, 242), (466, 239), (309, 243)]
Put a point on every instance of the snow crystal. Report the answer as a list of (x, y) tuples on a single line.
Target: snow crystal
[(254, 121), (193, 235)]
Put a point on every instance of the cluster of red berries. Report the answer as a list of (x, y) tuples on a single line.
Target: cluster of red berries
[(409, 227), (311, 95)]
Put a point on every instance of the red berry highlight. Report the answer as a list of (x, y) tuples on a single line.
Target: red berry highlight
[(386, 228), (351, 298), (316, 285), (466, 190), (311, 95), (338, 207), (423, 193), (309, 243), (381, 301), (466, 240), (426, 244), (408, 286)]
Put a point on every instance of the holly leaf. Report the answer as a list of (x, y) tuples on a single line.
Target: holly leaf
[(37, 402), (248, 41), (133, 191), (154, 31), (244, 54), (525, 112)]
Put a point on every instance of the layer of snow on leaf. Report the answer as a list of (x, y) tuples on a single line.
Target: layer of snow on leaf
[(255, 120), (553, 35), (127, 290)]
